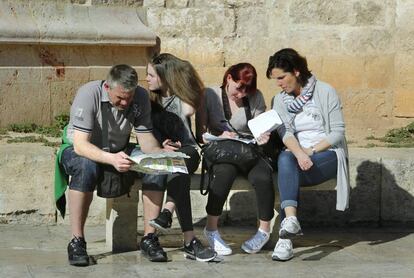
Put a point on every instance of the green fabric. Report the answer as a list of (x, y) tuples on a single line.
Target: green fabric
[(61, 178)]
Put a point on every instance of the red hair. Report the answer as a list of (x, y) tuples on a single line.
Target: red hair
[(243, 73)]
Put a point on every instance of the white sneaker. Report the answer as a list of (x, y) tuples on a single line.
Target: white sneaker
[(217, 243), (255, 243), (283, 250), (290, 227)]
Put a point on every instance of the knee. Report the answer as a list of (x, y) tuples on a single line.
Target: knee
[(86, 175), (286, 160)]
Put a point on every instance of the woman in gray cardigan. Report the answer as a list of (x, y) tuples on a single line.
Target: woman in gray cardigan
[(316, 149)]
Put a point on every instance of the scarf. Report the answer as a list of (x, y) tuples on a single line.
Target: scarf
[(295, 105)]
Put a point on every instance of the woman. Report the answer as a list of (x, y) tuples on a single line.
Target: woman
[(178, 90), (315, 139), (225, 111)]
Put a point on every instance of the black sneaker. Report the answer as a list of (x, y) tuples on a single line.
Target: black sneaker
[(151, 248), (163, 221), (196, 251), (77, 252)]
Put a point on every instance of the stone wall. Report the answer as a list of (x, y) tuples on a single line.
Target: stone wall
[(364, 48)]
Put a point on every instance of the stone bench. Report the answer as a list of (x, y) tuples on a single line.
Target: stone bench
[(382, 193), (122, 212)]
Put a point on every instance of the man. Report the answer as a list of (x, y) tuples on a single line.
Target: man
[(128, 106)]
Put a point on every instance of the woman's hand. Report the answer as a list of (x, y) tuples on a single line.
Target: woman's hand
[(263, 138), (228, 134), (304, 161), (308, 151), (171, 146)]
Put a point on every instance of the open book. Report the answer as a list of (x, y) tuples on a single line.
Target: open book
[(265, 122), (158, 163)]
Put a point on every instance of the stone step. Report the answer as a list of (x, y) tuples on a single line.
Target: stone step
[(382, 191)]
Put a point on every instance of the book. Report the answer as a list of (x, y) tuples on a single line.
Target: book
[(265, 122), (158, 163), (210, 137)]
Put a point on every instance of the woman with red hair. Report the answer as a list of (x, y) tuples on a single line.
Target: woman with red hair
[(225, 111)]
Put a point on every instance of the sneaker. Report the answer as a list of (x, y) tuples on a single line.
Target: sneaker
[(163, 221), (283, 250), (255, 243), (217, 243), (77, 252), (196, 251), (151, 249), (290, 227)]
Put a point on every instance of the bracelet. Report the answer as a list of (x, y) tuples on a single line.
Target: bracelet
[(313, 150)]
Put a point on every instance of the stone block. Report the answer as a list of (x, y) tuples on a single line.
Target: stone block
[(369, 12), (211, 76), (359, 104), (61, 96), (130, 3), (252, 21), (207, 4), (323, 12), (397, 201), (176, 3), (347, 76), (154, 3), (121, 222), (405, 39), (248, 49), (26, 184), (175, 46), (403, 103), (379, 71), (18, 55), (241, 206), (404, 14), (206, 52), (372, 41), (315, 41), (404, 70), (16, 75), (245, 3), (191, 22), (30, 97)]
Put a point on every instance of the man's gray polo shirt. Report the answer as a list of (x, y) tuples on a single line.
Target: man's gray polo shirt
[(86, 116)]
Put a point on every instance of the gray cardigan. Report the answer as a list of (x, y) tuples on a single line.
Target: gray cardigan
[(326, 98)]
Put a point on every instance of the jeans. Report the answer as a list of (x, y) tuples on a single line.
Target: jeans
[(83, 171), (291, 177)]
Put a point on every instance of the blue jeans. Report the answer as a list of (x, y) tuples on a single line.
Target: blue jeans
[(291, 177), (83, 171)]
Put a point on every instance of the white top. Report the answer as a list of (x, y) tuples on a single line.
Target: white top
[(309, 125)]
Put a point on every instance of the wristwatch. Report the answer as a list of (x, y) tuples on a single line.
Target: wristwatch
[(313, 150)]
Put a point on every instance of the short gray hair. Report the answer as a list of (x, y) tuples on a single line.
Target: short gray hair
[(122, 75)]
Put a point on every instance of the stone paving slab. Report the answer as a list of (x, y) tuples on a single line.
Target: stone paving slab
[(40, 251)]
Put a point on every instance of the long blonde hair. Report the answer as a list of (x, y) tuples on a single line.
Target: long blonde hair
[(179, 78)]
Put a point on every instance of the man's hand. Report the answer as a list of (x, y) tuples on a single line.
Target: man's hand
[(120, 162)]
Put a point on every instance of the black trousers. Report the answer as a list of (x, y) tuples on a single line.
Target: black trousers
[(261, 178), (178, 187)]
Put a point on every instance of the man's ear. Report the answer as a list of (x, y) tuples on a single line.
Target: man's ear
[(106, 86)]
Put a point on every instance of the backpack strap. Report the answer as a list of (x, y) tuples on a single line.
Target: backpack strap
[(105, 110)]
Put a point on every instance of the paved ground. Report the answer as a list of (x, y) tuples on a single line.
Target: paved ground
[(39, 251)]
